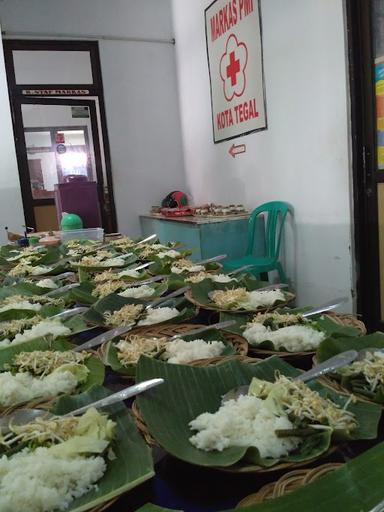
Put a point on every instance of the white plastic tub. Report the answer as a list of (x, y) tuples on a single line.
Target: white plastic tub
[(83, 234)]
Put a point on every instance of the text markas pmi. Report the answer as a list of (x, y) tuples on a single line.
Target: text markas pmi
[(228, 16)]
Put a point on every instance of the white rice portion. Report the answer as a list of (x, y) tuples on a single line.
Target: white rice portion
[(263, 299), (23, 387), (181, 351), (129, 273), (52, 327), (169, 254), (24, 304), (139, 292), (113, 262), (47, 283), (246, 422), (221, 278), (294, 338), (39, 481), (157, 315), (193, 268)]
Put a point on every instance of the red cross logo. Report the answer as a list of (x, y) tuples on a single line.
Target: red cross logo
[(232, 68)]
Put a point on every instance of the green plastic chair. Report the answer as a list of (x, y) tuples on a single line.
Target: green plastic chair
[(275, 213)]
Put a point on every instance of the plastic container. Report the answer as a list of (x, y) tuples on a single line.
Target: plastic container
[(83, 234)]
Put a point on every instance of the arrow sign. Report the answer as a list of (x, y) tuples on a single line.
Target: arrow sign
[(236, 150)]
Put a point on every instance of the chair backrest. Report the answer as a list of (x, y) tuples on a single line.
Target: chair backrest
[(276, 212)]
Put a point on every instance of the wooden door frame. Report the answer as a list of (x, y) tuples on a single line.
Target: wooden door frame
[(21, 149), (364, 161), (95, 89)]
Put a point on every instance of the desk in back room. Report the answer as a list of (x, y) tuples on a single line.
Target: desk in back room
[(206, 236)]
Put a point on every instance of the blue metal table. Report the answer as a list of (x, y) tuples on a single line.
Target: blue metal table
[(206, 237)]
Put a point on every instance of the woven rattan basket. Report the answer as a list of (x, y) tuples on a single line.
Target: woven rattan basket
[(237, 468), (288, 483), (348, 321), (169, 330), (191, 298), (239, 344), (341, 319)]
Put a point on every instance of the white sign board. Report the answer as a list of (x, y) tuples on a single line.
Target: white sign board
[(235, 63)]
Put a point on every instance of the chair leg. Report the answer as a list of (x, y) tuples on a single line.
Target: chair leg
[(282, 276), (264, 276)]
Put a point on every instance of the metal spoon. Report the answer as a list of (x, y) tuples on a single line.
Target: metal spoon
[(69, 312), (327, 306), (23, 416), (62, 289), (210, 260), (240, 269), (147, 281), (378, 508), (123, 256), (64, 275), (161, 300), (104, 337), (219, 325), (140, 267), (323, 368), (145, 240)]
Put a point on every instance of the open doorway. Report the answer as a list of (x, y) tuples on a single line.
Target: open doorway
[(60, 130)]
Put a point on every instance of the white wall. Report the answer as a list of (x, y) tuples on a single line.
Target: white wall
[(11, 208), (140, 90), (303, 157)]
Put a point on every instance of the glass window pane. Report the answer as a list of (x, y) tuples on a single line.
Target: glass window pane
[(38, 140), (39, 67), (73, 137), (43, 174), (72, 142)]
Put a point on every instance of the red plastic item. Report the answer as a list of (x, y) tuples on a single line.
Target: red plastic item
[(177, 212)]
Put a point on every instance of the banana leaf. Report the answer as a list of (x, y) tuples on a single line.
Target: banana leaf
[(99, 268), (76, 324), (355, 487), (332, 347), (9, 250), (132, 464), (111, 359), (321, 323), (83, 293), (21, 288), (56, 269), (188, 392), (354, 383), (83, 244), (95, 366), (150, 507), (141, 277), (200, 291), (46, 311), (161, 266), (52, 255), (114, 302)]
